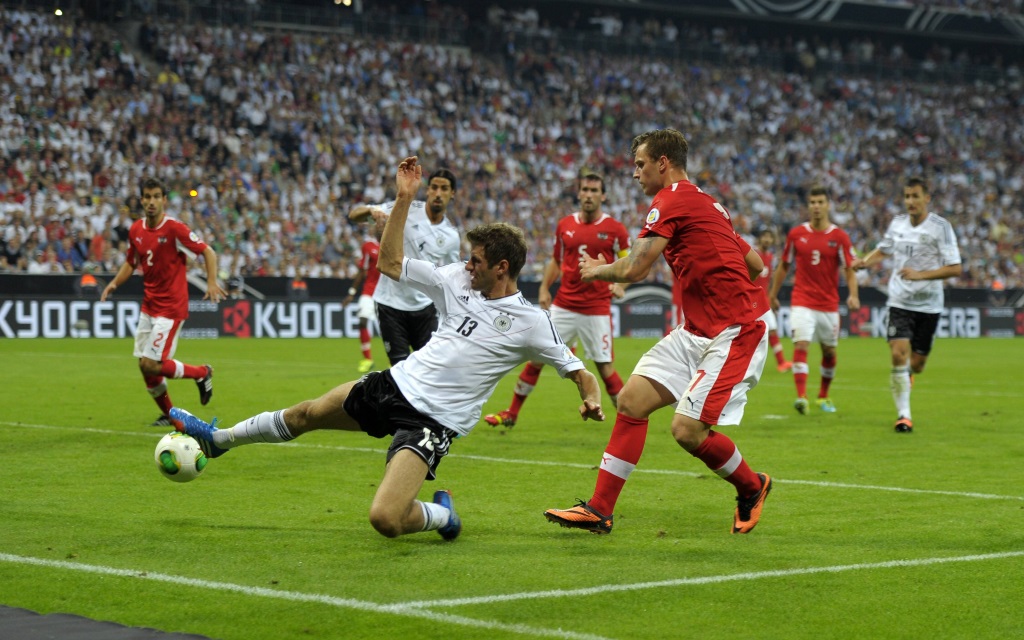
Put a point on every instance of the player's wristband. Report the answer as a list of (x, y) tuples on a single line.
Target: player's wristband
[(351, 291)]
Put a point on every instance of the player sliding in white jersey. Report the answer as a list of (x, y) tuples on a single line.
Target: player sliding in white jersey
[(487, 329)]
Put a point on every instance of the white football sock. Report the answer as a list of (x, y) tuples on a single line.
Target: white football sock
[(268, 426), (900, 386), (435, 516)]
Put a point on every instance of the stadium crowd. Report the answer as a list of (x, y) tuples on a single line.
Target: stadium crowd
[(266, 138)]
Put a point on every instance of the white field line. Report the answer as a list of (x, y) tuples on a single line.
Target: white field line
[(678, 582), (547, 463), (297, 596)]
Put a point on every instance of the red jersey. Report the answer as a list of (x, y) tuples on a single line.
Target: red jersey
[(819, 255), (706, 256), (765, 279), (161, 254), (368, 263), (605, 236)]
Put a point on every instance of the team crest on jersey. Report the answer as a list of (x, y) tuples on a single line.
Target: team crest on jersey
[(503, 323), (652, 216)]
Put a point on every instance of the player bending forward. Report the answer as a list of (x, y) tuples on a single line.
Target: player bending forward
[(486, 329)]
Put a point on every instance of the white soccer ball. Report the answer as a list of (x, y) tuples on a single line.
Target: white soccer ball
[(179, 458)]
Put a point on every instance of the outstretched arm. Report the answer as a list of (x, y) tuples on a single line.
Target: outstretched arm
[(590, 393), (632, 268), (392, 249)]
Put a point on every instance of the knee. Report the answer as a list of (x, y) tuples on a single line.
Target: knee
[(386, 522), (689, 433), (149, 367), (626, 404)]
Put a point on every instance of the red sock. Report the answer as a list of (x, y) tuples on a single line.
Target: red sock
[(720, 455), (364, 339), (176, 369), (620, 457), (157, 387), (828, 371), (527, 381), (613, 384), (800, 372), (776, 345)]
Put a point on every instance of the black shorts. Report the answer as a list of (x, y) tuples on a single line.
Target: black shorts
[(405, 330), (377, 404), (915, 326)]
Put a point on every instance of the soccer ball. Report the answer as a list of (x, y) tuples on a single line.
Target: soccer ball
[(179, 458)]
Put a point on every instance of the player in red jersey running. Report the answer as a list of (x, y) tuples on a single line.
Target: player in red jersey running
[(160, 247), (704, 367), (765, 243), (367, 277), (581, 311), (819, 249)]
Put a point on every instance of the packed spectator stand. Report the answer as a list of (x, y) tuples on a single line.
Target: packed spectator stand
[(268, 135)]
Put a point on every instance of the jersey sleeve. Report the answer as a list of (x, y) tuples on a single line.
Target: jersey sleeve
[(788, 252), (548, 348), (949, 250), (845, 251), (888, 241), (622, 249), (425, 277), (188, 241)]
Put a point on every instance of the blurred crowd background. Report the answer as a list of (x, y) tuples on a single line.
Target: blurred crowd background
[(267, 132)]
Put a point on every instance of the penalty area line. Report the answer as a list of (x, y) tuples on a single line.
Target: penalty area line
[(679, 582), (298, 596)]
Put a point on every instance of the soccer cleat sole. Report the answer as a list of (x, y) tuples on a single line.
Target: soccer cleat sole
[(502, 419)]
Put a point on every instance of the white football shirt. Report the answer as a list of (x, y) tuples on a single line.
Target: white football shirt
[(438, 244), (477, 343), (929, 245)]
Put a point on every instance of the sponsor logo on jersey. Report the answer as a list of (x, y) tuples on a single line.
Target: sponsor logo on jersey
[(602, 236), (161, 240), (464, 299)]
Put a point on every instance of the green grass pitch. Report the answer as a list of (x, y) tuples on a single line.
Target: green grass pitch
[(868, 533)]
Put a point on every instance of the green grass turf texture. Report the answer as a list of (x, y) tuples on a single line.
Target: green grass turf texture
[(278, 535)]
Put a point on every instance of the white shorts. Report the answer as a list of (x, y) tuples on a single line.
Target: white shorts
[(770, 320), (157, 338), (367, 309), (710, 377), (594, 333), (809, 325)]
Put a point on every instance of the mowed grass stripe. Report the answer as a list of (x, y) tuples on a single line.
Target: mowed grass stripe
[(563, 465)]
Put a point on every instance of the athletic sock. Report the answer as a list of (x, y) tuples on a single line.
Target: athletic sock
[(776, 345), (900, 386), (613, 384), (435, 516), (268, 426), (721, 455), (177, 369), (527, 381), (800, 370), (620, 457), (157, 388), (364, 344), (828, 372)]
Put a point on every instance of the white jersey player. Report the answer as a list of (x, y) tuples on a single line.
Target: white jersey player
[(436, 394), (924, 252)]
